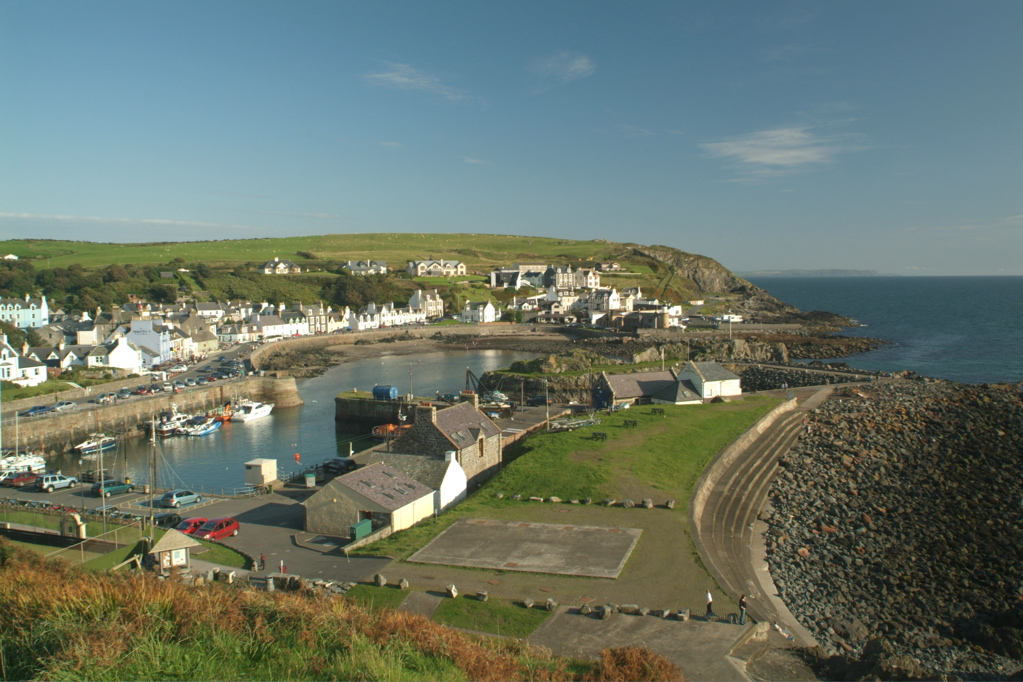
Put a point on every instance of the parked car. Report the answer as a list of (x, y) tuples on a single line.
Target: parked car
[(201, 381), (143, 389), (189, 381), (178, 383), (64, 405), (111, 487), (51, 482), (4, 475), (539, 400), (176, 498), (124, 394), (36, 410), (340, 465), (167, 387), (22, 479), (105, 398), (217, 529), (190, 525), (166, 520)]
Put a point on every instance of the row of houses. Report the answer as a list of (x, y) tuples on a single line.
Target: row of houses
[(539, 275), (418, 268)]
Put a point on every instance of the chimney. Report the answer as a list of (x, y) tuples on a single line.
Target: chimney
[(470, 397), (426, 412), (450, 455)]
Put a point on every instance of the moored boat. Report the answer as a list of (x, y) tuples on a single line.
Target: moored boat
[(389, 431), (247, 410), (170, 422), (205, 428), (96, 442), (23, 462)]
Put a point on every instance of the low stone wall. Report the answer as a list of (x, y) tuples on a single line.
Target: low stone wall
[(712, 474)]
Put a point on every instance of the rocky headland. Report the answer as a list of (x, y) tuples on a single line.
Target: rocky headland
[(898, 518)]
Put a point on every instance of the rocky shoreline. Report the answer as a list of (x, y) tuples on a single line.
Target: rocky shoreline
[(899, 516)]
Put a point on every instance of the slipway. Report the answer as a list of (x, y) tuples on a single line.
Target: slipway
[(593, 551)]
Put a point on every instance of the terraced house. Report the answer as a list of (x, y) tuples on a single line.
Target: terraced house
[(435, 268), (30, 312)]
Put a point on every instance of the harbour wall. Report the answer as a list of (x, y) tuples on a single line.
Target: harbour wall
[(53, 433)]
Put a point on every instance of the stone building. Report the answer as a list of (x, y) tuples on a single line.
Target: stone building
[(461, 428)]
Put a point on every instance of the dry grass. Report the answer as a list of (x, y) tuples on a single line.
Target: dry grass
[(60, 621), (623, 664)]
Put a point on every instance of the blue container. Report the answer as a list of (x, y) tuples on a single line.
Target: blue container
[(385, 393)]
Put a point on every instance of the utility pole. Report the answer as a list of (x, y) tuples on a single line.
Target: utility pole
[(547, 402)]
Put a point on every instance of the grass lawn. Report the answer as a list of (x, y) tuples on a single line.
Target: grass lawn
[(496, 616), (373, 598), (662, 456)]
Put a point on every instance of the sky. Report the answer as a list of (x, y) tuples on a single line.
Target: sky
[(870, 135)]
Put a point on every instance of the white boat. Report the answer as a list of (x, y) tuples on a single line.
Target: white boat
[(204, 429), (170, 423), (247, 410), (23, 462), (96, 442)]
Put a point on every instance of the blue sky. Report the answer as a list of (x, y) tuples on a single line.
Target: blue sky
[(865, 135)]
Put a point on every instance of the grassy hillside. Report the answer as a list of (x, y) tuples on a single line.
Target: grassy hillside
[(63, 622)]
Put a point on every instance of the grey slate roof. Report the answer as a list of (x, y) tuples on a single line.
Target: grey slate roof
[(678, 392), (712, 371), (384, 485), (638, 384), (427, 470), (463, 423)]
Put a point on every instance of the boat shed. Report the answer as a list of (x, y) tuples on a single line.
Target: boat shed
[(377, 492)]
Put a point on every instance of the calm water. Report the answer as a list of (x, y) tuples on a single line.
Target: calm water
[(216, 462), (967, 329)]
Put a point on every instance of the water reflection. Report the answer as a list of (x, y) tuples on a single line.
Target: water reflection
[(216, 462)]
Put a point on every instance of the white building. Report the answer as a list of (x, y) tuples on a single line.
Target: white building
[(428, 302), (480, 312), (17, 369), (29, 312)]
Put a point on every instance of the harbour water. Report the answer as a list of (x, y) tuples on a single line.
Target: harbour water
[(967, 329), (215, 462)]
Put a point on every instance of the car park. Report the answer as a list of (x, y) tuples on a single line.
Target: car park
[(340, 465), (166, 520), (176, 498), (111, 487), (36, 410), (22, 479), (190, 525), (217, 529), (64, 406), (51, 482)]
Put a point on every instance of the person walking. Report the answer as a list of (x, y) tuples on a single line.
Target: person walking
[(710, 605), (262, 561), (742, 610)]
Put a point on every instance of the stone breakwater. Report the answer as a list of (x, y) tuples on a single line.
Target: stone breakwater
[(899, 516)]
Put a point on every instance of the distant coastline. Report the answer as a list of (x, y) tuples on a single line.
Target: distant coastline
[(809, 273)]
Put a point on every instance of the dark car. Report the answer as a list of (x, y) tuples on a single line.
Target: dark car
[(111, 487), (340, 465), (539, 400), (217, 529), (36, 410), (166, 520)]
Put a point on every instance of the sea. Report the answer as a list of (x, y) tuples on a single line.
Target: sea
[(966, 329)]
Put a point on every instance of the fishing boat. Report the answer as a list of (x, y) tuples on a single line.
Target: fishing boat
[(96, 442), (389, 431), (170, 422), (205, 428), (247, 410)]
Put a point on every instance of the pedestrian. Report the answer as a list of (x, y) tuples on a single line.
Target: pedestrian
[(710, 605), (742, 610), (262, 561)]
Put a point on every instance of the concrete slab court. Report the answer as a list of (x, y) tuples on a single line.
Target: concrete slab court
[(592, 551)]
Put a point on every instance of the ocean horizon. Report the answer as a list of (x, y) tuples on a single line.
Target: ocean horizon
[(966, 329)]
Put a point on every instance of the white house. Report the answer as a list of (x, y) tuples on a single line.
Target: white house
[(711, 380), (17, 369), (445, 476), (278, 266), (435, 268), (25, 313), (482, 312), (429, 302)]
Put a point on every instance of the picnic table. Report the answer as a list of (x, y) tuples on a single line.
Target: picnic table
[(598, 435), (630, 423)]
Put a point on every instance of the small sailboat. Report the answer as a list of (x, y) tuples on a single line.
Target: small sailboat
[(21, 461), (205, 428)]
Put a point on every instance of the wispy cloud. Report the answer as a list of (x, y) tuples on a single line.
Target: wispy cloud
[(110, 221), (780, 151), (405, 77), (1009, 225), (564, 67), (630, 130)]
